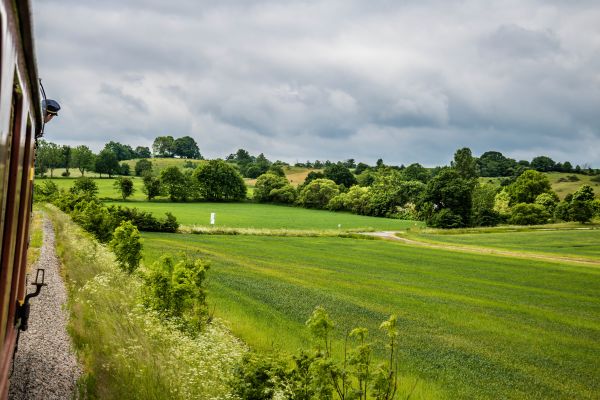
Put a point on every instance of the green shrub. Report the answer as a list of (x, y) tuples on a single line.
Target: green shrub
[(84, 185), (265, 184), (219, 181), (45, 191), (286, 194), (124, 186), (528, 214), (127, 246), (581, 210), (446, 219), (143, 167), (318, 193), (176, 290)]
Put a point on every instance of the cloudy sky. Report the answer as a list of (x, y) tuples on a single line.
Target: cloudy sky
[(408, 81)]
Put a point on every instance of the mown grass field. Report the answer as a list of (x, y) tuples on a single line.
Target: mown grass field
[(106, 190), (267, 216), (472, 325), (580, 242)]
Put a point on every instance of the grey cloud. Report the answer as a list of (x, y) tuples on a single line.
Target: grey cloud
[(406, 81)]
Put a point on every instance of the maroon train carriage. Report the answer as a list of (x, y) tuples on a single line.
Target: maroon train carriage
[(21, 123)]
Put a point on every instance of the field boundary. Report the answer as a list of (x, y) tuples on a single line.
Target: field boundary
[(394, 236)]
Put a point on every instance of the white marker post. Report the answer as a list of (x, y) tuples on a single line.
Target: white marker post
[(212, 218)]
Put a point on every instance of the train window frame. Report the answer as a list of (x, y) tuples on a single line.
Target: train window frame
[(7, 254)]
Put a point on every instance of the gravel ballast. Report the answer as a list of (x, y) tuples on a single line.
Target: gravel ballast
[(45, 366)]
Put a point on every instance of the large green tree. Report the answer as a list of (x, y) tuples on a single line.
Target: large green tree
[(265, 184), (163, 146), (82, 159), (318, 193), (107, 163), (174, 183), (528, 186), (121, 151), (340, 174), (186, 147), (465, 164), (449, 191), (220, 181), (543, 164), (48, 156)]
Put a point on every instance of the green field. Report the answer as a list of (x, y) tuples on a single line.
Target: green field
[(566, 242), (267, 216), (106, 189), (472, 325)]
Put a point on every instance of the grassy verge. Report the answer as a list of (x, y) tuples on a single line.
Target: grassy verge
[(474, 325), (128, 352), (36, 238)]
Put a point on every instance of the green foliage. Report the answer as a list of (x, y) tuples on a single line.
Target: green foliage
[(127, 246), (484, 214), (186, 147), (143, 167), (416, 172), (142, 152), (286, 194), (82, 158), (124, 186), (152, 187), (581, 210), (276, 169), (107, 163), (176, 290), (449, 191), (175, 184), (163, 146), (465, 164), (47, 190), (445, 218), (265, 184), (390, 191), (318, 193), (85, 185), (312, 175), (528, 186), (340, 174), (543, 164), (219, 181), (493, 164), (121, 151), (548, 201), (357, 200), (48, 156), (584, 193), (528, 214)]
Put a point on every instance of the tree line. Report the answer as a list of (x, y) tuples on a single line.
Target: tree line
[(50, 156)]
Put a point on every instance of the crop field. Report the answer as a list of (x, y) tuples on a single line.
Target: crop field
[(584, 243), (472, 325), (267, 216)]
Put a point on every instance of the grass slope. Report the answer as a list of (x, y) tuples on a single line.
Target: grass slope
[(576, 242), (253, 215), (477, 326)]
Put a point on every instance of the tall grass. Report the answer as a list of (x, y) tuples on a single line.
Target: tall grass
[(128, 352), (36, 238)]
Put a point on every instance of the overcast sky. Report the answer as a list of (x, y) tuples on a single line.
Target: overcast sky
[(408, 81)]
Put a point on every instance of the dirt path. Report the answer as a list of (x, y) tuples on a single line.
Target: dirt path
[(391, 235), (45, 366)]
